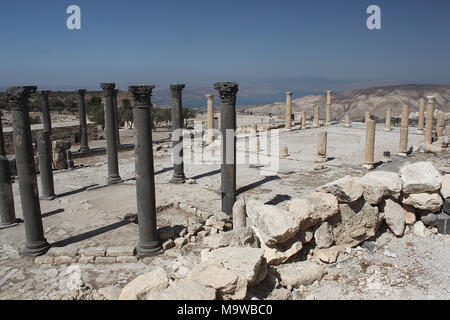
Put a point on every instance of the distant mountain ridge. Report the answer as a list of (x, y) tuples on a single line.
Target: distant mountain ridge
[(356, 102)]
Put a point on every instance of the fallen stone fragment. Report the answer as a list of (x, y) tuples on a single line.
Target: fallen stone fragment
[(394, 215), (347, 189), (410, 214), (428, 218), (156, 280), (420, 177), (179, 242), (300, 273), (328, 255), (44, 259), (324, 235), (239, 214), (235, 238), (379, 184), (184, 290), (443, 223), (110, 292), (420, 230), (445, 188), (424, 201), (169, 244), (166, 233)]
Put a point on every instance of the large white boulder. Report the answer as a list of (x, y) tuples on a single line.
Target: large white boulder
[(431, 202), (379, 184), (274, 225), (142, 285), (347, 189), (394, 216), (300, 273), (184, 290), (420, 177), (244, 237), (445, 188)]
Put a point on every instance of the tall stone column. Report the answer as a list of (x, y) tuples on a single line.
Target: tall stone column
[(429, 121), (388, 120), (46, 118), (322, 147), (46, 166), (149, 243), (210, 109), (111, 134), (440, 122), (370, 144), (420, 124), (116, 116), (177, 134), (328, 110), (7, 211), (403, 148), (288, 110), (35, 244), (347, 121), (82, 116), (303, 120), (367, 117), (227, 93), (316, 118)]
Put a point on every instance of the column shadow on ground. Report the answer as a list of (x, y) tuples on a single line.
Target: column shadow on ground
[(278, 199), (206, 174), (69, 193), (51, 213), (256, 184), (90, 234)]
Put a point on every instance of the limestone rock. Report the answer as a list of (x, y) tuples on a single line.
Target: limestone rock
[(184, 290), (324, 235), (142, 285), (420, 177), (236, 238), (394, 216), (420, 230), (274, 225), (110, 293), (428, 218), (239, 214), (300, 273), (328, 255), (354, 223), (225, 282), (379, 184), (248, 263), (347, 189), (445, 188), (424, 201), (410, 214), (317, 207)]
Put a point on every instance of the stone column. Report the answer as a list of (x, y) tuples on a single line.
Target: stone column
[(328, 109), (288, 110), (149, 243), (403, 148), (7, 211), (177, 134), (370, 144), (46, 118), (420, 124), (367, 117), (429, 121), (35, 244), (210, 108), (111, 134), (440, 122), (303, 119), (347, 122), (388, 120), (316, 118), (46, 166), (322, 147), (82, 116), (116, 116), (227, 93)]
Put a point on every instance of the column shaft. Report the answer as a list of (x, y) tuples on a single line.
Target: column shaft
[(370, 142), (328, 109), (46, 118), (177, 134), (420, 124), (440, 122), (7, 211), (316, 117), (388, 120), (46, 166), (303, 119), (429, 122), (116, 117), (322, 147), (404, 130), (149, 243), (288, 110), (82, 116), (210, 109)]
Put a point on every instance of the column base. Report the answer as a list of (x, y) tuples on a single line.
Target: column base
[(387, 129), (347, 126), (402, 154), (321, 159), (35, 250), (49, 198), (368, 166), (114, 180), (148, 249), (328, 123), (178, 180), (85, 149), (421, 132), (8, 225)]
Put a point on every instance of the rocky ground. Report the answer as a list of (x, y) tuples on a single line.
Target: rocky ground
[(87, 215)]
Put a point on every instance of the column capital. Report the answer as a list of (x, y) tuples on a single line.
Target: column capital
[(430, 99), (141, 94), (227, 91), (289, 93), (44, 93), (18, 96), (209, 96), (81, 92), (176, 89), (108, 88), (329, 92)]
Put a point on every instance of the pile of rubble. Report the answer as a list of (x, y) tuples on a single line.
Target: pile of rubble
[(292, 243)]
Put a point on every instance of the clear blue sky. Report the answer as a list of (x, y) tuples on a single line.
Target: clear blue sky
[(200, 42)]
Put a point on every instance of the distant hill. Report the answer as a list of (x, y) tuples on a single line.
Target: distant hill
[(356, 102)]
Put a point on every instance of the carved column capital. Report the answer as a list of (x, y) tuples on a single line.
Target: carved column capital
[(227, 91), (18, 96), (176, 89), (108, 89), (430, 99), (289, 94), (44, 93), (209, 96), (141, 94), (81, 92)]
